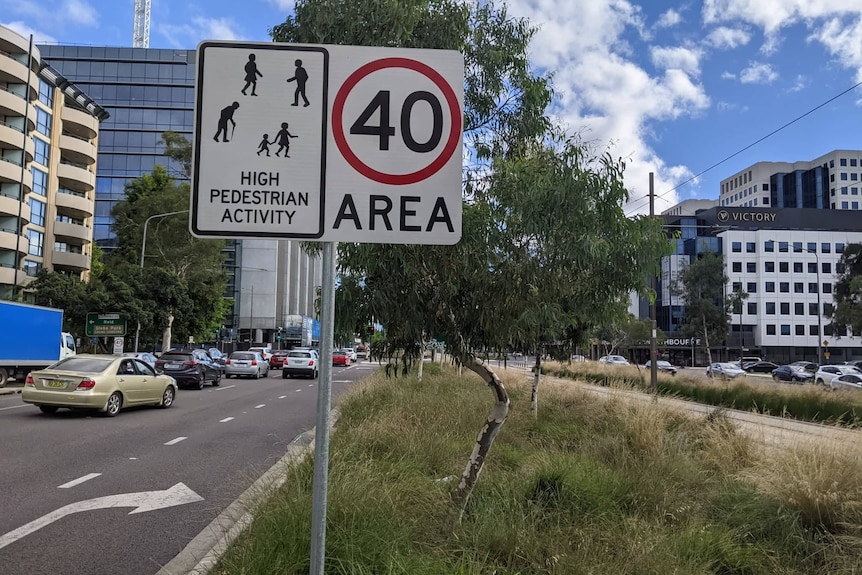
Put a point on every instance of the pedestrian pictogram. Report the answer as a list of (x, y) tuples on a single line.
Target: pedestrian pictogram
[(333, 143)]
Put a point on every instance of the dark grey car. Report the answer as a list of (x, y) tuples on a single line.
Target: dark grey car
[(190, 367)]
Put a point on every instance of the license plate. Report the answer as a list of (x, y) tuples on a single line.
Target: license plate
[(173, 366), (55, 383)]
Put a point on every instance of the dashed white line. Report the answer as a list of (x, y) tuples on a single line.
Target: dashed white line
[(222, 388), (298, 390), (14, 407), (175, 441), (79, 481), (282, 396), (225, 420), (259, 406)]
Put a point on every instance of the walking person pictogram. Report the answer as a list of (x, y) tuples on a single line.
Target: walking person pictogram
[(301, 77), (264, 145), (251, 75), (282, 138), (225, 117)]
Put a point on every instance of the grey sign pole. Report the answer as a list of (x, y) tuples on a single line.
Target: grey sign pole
[(324, 399)]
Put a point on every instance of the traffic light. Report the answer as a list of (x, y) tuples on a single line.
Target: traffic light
[(370, 330), (279, 334)]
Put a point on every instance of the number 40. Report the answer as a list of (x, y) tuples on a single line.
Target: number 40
[(384, 130)]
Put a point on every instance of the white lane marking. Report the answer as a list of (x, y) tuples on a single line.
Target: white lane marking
[(310, 385), (341, 380), (282, 396), (225, 420), (298, 390), (223, 388), (78, 481), (133, 459), (14, 407), (175, 441), (259, 406)]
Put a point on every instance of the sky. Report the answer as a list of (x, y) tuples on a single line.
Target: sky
[(692, 91)]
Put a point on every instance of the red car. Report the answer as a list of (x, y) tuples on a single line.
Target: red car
[(340, 357), (277, 359)]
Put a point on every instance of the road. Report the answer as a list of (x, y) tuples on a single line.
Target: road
[(89, 495)]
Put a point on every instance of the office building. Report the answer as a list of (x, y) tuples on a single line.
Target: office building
[(49, 130), (147, 92)]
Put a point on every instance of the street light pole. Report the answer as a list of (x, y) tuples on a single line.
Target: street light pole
[(143, 249)]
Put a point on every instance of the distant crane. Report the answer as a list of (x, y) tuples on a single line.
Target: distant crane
[(141, 35)]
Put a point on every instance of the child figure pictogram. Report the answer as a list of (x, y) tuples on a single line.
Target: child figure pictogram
[(264, 145), (282, 138)]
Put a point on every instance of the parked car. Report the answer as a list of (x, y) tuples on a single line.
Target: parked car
[(792, 373), (759, 366), (265, 352), (847, 381), (809, 366), (854, 362), (577, 358), (144, 356), (218, 356), (192, 367), (246, 364), (614, 360), (340, 357), (827, 373), (107, 383), (362, 351), (724, 370), (277, 359), (304, 362), (351, 353), (661, 365)]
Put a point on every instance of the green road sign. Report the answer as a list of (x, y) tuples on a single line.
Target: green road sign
[(105, 324)]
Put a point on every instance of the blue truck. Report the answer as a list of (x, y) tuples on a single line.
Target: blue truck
[(31, 338)]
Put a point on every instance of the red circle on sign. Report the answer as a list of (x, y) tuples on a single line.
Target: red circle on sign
[(365, 169)]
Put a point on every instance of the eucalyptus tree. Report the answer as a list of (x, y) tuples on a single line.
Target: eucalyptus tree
[(702, 284), (848, 291)]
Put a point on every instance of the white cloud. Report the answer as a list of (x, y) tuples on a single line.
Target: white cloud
[(799, 84), (772, 15), (669, 19), (287, 5), (724, 37), (677, 58), (844, 41), (79, 12), (758, 73), (728, 76), (25, 31), (201, 28)]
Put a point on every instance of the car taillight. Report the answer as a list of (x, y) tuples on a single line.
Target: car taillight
[(160, 363), (254, 362), (311, 362), (29, 381), (87, 383), (227, 362), (191, 363)]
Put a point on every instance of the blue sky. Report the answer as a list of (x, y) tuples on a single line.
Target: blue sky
[(672, 86)]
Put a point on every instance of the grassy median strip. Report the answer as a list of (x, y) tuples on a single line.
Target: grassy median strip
[(590, 486)]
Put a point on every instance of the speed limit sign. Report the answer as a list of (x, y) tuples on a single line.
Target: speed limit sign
[(329, 143)]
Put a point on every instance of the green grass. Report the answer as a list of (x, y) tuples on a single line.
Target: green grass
[(589, 486)]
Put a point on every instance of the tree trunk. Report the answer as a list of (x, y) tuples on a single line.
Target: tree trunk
[(421, 360), (706, 340), (166, 335), (534, 393), (495, 421)]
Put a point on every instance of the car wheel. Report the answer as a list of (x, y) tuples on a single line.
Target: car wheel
[(775, 378), (115, 403), (314, 374), (199, 384), (819, 381), (49, 409), (217, 380), (167, 398)]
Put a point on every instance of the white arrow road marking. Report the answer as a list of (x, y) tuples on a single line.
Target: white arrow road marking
[(175, 441), (225, 420), (78, 481), (142, 501)]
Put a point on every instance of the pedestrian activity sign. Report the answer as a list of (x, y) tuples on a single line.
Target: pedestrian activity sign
[(328, 143)]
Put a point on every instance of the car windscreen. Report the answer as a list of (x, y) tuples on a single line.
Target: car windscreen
[(84, 364), (299, 354), (176, 357), (243, 356)]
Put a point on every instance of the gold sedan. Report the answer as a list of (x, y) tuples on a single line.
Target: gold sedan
[(107, 383)]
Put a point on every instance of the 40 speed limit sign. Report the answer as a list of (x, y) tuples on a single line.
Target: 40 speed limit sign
[(331, 143)]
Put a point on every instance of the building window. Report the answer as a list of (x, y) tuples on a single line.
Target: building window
[(842, 162), (843, 190), (839, 248), (798, 287), (43, 122), (46, 93), (813, 330), (37, 241), (752, 308), (812, 309), (751, 287), (751, 267), (797, 247), (43, 151), (32, 268), (769, 266), (750, 247), (797, 267), (784, 287), (812, 267), (826, 248), (785, 329), (770, 329), (799, 308), (783, 267), (785, 308), (769, 246), (770, 287), (854, 205), (782, 247), (845, 205), (843, 176), (828, 309), (736, 287), (853, 162), (770, 308), (800, 329), (40, 181), (736, 247), (37, 212), (736, 267), (827, 267), (827, 288)]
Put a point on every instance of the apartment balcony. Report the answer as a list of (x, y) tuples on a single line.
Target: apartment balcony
[(7, 276), (11, 172), (70, 233), (79, 123), (76, 177), (11, 207), (79, 207), (12, 138), (13, 71), (9, 240), (78, 150), (13, 43), (70, 261), (14, 105)]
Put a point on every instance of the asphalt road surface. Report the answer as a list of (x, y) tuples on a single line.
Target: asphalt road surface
[(90, 495)]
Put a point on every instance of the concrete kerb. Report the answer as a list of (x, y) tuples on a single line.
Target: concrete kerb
[(203, 552)]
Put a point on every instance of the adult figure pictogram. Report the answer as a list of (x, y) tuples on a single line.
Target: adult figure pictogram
[(282, 138), (225, 117), (264, 145), (251, 75), (301, 78)]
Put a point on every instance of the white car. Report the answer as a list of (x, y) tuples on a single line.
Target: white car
[(614, 360), (849, 381), (725, 370), (351, 353), (827, 373)]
